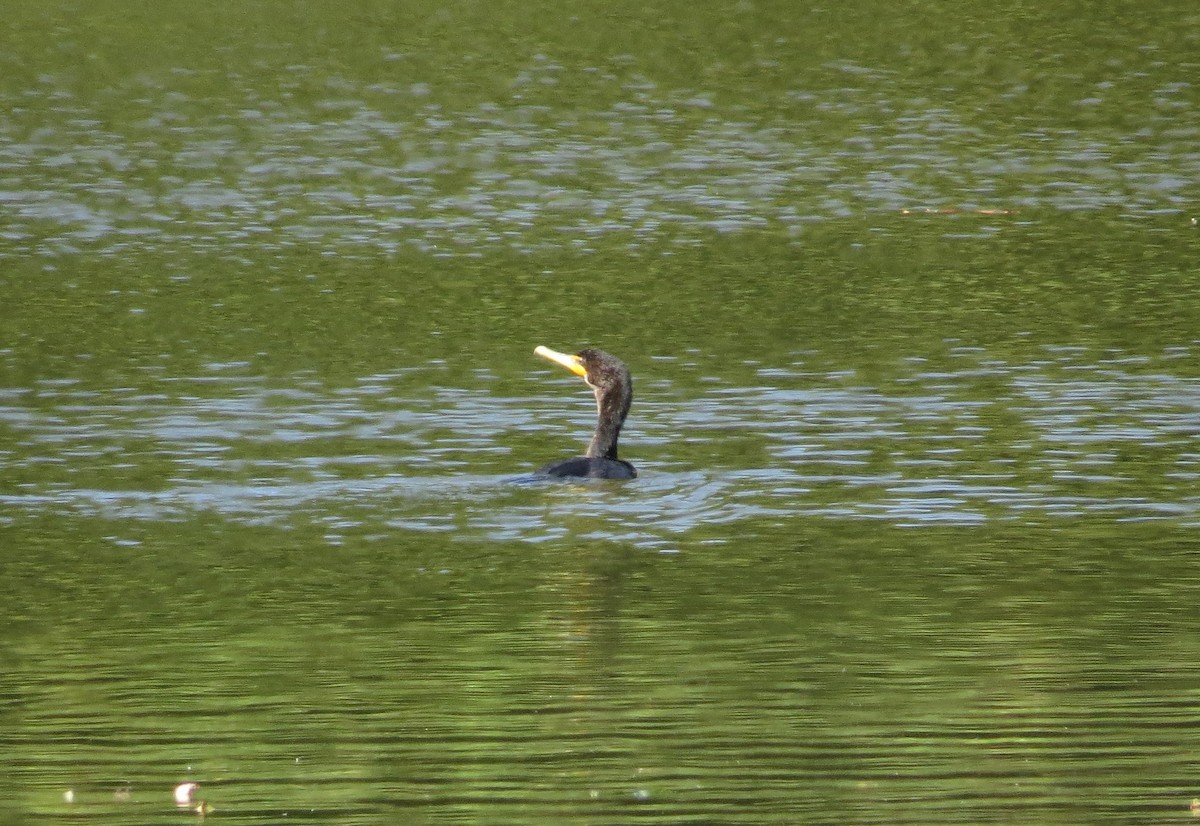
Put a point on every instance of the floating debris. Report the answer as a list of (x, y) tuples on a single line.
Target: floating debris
[(183, 794)]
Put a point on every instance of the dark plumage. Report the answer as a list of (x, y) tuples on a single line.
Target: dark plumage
[(613, 387)]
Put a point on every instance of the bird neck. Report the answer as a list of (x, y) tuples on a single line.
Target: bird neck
[(611, 409)]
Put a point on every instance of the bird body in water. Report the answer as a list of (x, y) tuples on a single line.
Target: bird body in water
[(613, 387)]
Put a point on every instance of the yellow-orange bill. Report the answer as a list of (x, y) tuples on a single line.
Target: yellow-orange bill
[(572, 363)]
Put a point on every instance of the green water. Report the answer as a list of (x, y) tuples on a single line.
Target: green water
[(909, 295)]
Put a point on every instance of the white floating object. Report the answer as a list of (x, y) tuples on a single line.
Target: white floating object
[(184, 792)]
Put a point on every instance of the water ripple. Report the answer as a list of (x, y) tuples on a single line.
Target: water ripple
[(1059, 440), (439, 179)]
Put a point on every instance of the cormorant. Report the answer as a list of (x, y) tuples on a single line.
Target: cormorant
[(610, 381)]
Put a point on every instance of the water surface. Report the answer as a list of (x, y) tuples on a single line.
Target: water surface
[(910, 303)]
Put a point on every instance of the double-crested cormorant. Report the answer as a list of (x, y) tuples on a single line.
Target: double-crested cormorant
[(610, 380)]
